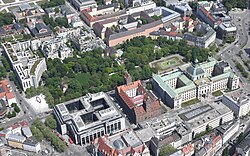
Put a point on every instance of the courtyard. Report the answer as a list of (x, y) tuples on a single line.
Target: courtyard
[(167, 63)]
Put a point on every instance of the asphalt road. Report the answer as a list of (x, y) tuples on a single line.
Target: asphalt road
[(230, 52)]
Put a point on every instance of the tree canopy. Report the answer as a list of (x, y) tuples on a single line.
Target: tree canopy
[(52, 3), (167, 150), (51, 122), (6, 19), (139, 51), (229, 4), (77, 76)]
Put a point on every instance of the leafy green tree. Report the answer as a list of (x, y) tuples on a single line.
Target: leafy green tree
[(52, 3), (5, 64), (3, 72), (36, 133), (6, 19), (62, 21), (241, 137), (51, 122), (167, 150), (225, 152)]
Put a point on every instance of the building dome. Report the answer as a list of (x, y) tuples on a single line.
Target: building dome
[(195, 70), (118, 144)]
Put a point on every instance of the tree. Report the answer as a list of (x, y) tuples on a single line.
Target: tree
[(5, 64), (225, 152), (57, 10), (62, 21), (6, 19), (241, 137), (3, 72), (52, 3), (167, 150), (36, 133), (16, 108), (51, 122)]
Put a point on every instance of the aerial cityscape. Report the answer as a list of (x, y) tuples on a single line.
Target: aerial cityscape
[(124, 77)]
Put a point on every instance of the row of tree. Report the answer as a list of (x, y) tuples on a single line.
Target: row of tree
[(40, 131)]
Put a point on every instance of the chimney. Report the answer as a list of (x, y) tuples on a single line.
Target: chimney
[(128, 78)]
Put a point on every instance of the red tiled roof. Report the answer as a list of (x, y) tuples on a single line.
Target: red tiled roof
[(129, 87), (87, 15), (191, 26), (142, 95), (188, 19), (207, 13), (6, 90), (188, 149), (104, 148)]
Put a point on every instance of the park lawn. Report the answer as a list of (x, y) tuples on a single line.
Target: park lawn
[(82, 77), (8, 1), (169, 62), (217, 93), (189, 103)]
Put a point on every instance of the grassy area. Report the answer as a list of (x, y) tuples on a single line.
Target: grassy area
[(167, 63), (33, 68), (217, 93), (8, 1), (199, 135), (189, 103)]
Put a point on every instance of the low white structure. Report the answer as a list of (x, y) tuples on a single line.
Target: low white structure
[(27, 66), (38, 103), (238, 102)]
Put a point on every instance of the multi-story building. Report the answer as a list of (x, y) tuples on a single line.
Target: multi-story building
[(83, 4), (208, 37), (27, 12), (123, 143), (39, 29), (27, 66), (56, 48), (226, 29), (13, 137), (238, 102), (125, 22), (86, 42), (6, 92), (179, 127), (208, 145), (182, 7), (174, 88), (192, 81), (89, 117), (228, 130), (208, 17), (137, 102), (243, 148)]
